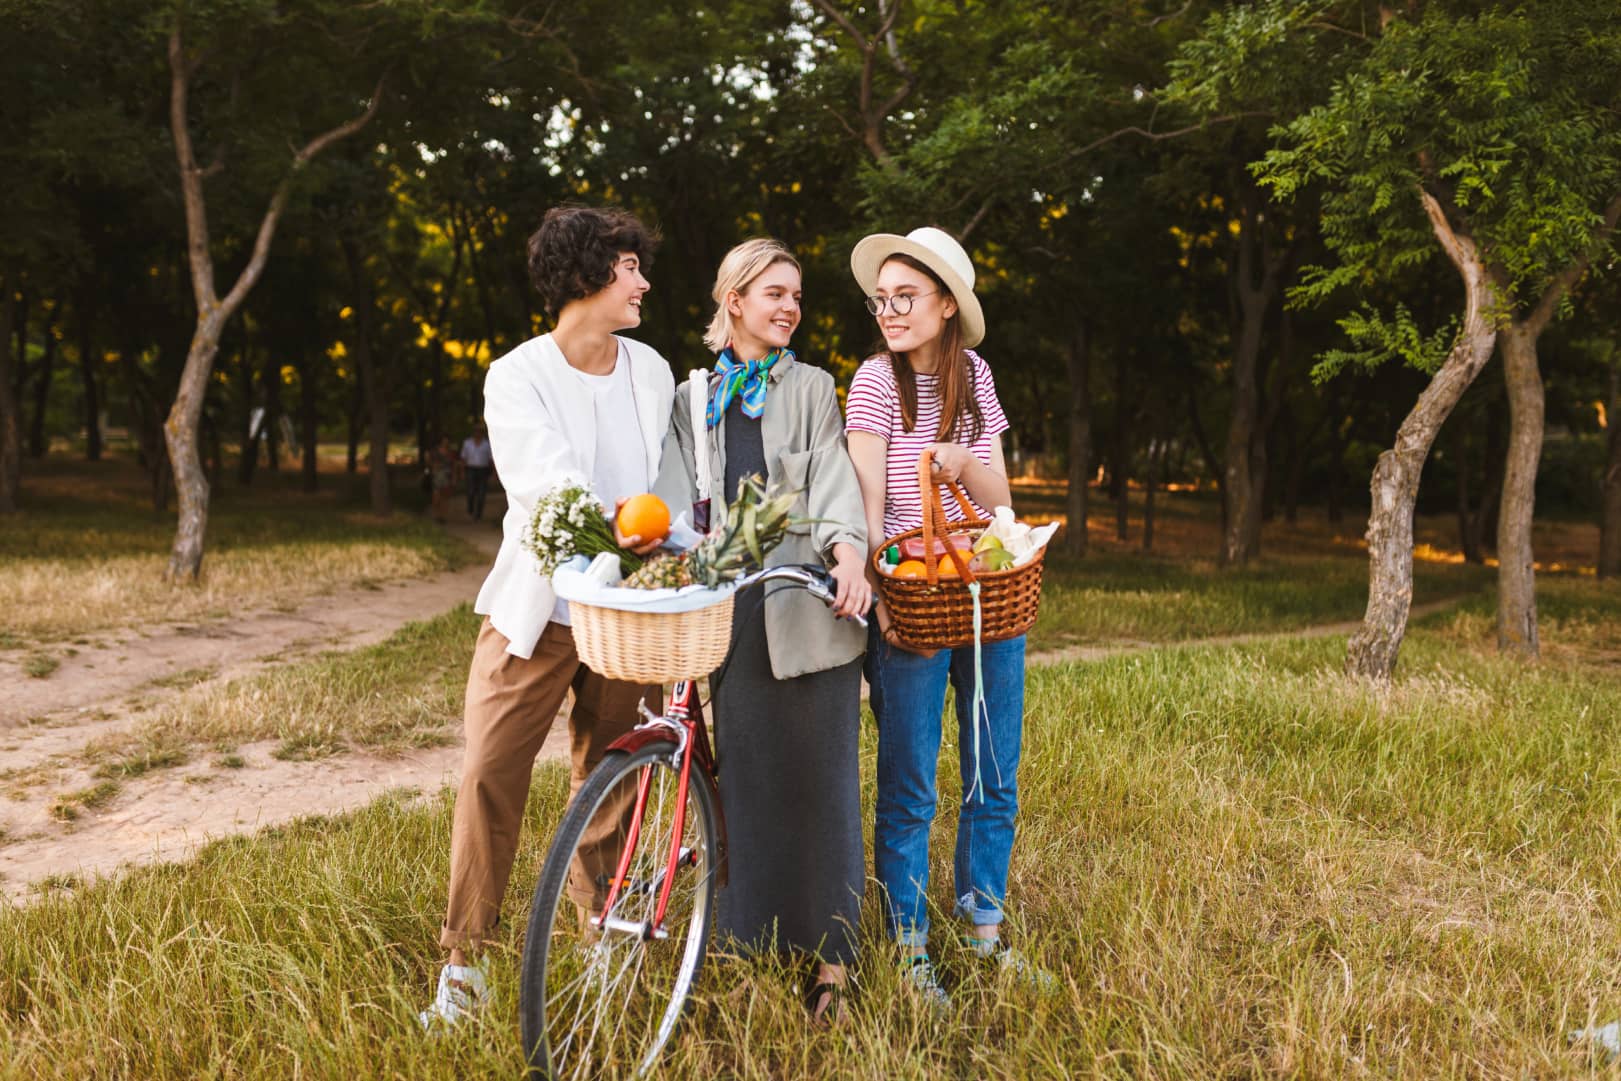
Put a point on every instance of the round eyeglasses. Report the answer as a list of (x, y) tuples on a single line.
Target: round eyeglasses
[(899, 304)]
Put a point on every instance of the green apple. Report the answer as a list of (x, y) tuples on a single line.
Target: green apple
[(987, 543)]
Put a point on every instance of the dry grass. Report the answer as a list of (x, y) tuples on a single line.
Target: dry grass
[(88, 553), (403, 692)]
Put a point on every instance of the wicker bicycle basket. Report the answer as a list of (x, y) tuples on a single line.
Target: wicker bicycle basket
[(652, 647), (937, 612)]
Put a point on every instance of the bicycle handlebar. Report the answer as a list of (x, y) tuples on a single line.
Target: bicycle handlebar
[(813, 579)]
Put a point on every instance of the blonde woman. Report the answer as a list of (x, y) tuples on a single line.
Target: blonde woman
[(788, 704)]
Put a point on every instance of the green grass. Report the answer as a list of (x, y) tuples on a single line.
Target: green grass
[(1110, 598), (1238, 861), (68, 807), (40, 665)]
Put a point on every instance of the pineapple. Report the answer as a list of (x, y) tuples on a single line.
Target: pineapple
[(755, 524), (661, 572)]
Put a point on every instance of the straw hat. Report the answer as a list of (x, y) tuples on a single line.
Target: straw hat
[(935, 249)]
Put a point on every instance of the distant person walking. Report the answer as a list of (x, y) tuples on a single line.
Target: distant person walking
[(478, 461), (441, 477)]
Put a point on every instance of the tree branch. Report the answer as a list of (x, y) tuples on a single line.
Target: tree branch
[(278, 202), (1566, 278), (979, 216), (191, 180), (844, 23), (1158, 136), (1460, 247)]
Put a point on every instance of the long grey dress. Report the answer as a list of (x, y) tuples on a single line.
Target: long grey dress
[(789, 779)]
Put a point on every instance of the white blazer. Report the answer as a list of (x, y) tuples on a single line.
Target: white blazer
[(543, 429)]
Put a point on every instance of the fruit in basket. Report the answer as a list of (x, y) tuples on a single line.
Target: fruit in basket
[(755, 524), (644, 516), (911, 568), (991, 559), (987, 542), (663, 571)]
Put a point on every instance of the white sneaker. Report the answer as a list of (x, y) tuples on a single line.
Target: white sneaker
[(1606, 1037), (462, 989), (1013, 964), (918, 974)]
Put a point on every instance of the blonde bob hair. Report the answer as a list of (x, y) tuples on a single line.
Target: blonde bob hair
[(737, 272)]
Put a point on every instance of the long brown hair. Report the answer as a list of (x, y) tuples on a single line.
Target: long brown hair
[(960, 414)]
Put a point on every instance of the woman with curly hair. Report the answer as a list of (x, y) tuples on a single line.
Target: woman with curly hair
[(580, 401)]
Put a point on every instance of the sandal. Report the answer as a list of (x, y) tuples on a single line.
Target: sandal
[(831, 1013)]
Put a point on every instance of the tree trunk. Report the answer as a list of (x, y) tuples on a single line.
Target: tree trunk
[(1460, 451), (180, 430), (1483, 520), (371, 378), (1253, 301), (1516, 570), (1156, 459), (307, 418), (11, 447), (1609, 535), (1372, 650), (146, 415), (1080, 439), (1122, 449), (42, 384), (90, 383), (270, 383), (1208, 453), (180, 434), (357, 401), (247, 459), (1297, 454)]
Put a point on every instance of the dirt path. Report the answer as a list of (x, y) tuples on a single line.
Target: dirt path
[(46, 723)]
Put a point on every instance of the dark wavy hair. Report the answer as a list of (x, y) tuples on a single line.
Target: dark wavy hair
[(573, 253)]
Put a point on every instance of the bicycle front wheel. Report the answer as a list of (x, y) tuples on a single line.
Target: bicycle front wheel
[(602, 996)]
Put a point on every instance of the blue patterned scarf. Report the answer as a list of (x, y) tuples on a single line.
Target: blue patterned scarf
[(741, 379)]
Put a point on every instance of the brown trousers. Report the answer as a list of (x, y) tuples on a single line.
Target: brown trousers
[(511, 703)]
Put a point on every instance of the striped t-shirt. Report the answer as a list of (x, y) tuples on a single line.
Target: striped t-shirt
[(874, 405)]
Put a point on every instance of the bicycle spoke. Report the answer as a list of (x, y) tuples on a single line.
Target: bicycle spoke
[(612, 996)]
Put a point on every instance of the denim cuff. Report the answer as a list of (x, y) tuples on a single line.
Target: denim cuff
[(978, 915), (915, 937)]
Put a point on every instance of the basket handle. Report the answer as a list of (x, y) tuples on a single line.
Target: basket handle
[(934, 520)]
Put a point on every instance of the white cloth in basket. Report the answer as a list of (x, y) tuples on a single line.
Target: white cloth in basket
[(591, 583)]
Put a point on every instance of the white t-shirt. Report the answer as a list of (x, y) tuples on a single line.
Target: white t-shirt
[(477, 454), (621, 466)]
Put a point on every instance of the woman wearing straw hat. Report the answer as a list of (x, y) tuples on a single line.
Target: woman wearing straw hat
[(788, 710), (929, 391)]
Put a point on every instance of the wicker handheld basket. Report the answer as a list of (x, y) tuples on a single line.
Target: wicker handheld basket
[(937, 612), (652, 647)]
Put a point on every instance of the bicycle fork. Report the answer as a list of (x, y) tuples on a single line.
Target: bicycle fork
[(677, 718)]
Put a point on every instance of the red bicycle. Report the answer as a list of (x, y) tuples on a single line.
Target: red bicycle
[(621, 916)]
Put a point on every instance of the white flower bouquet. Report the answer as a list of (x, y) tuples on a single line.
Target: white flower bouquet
[(569, 521)]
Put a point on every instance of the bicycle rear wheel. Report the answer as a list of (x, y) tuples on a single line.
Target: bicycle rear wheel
[(603, 1003)]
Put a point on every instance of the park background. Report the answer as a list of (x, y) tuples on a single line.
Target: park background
[(1239, 262)]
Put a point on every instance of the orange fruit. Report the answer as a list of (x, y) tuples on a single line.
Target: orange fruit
[(644, 516), (948, 569), (911, 568)]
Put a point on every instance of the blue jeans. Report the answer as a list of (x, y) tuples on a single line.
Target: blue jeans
[(908, 694)]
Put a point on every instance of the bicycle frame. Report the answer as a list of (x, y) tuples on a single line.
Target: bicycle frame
[(682, 725)]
